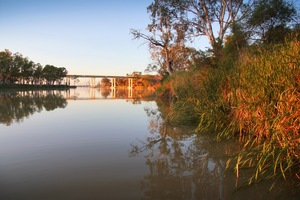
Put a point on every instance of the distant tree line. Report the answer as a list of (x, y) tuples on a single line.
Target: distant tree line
[(15, 68)]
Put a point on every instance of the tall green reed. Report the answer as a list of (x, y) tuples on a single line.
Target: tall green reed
[(255, 98), (264, 99), (183, 90)]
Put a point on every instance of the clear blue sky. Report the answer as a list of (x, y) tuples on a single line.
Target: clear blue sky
[(85, 36)]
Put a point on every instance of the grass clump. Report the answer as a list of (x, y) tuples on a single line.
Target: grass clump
[(258, 100), (181, 93), (265, 109)]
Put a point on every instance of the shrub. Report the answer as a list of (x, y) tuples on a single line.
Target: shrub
[(182, 92)]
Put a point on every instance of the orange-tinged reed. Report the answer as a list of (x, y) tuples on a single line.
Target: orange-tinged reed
[(264, 97), (255, 98)]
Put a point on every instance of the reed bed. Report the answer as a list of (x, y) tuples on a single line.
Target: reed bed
[(182, 92), (265, 109), (263, 96), (255, 99)]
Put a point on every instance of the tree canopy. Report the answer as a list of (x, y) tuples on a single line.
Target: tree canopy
[(270, 20), (175, 22), (15, 68)]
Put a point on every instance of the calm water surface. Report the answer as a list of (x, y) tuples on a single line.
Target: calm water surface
[(92, 144)]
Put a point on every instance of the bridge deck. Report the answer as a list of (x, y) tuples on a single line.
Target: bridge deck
[(98, 76)]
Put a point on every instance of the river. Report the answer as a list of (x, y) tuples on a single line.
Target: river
[(94, 144)]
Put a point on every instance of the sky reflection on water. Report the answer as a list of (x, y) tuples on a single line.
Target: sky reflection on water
[(109, 149)]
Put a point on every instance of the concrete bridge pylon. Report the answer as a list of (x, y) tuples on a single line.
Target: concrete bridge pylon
[(93, 83)]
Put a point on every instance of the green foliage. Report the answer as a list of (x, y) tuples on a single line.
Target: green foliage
[(213, 111), (276, 35), (16, 68), (235, 43), (181, 93), (174, 22), (268, 13), (270, 19)]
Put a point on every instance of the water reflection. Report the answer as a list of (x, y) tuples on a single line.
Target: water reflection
[(81, 152), (15, 106), (183, 165), (180, 164), (86, 93)]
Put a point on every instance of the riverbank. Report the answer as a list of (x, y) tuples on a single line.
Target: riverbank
[(255, 99)]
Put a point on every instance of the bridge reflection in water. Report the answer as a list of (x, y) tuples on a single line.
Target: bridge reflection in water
[(113, 79), (87, 93)]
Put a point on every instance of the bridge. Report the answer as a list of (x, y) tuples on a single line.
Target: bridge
[(113, 79)]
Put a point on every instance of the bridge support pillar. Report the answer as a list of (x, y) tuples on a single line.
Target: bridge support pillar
[(68, 94), (93, 82), (130, 83), (92, 93), (129, 93), (113, 92), (68, 81), (113, 83)]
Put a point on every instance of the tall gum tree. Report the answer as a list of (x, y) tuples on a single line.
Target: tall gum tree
[(166, 39), (210, 18)]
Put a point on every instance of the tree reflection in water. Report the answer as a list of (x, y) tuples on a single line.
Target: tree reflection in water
[(17, 105), (181, 165)]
